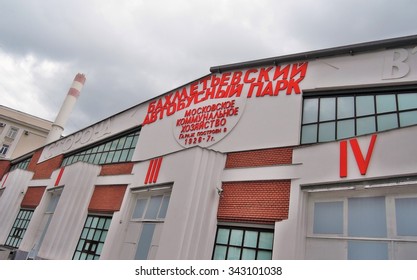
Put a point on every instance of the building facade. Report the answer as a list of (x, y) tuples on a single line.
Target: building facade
[(306, 156), (20, 133)]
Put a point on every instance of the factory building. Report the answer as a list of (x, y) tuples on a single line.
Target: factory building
[(20, 133), (303, 156)]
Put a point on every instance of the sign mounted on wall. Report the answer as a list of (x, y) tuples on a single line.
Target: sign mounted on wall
[(206, 110)]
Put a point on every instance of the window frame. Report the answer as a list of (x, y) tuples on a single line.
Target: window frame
[(99, 153), (335, 193), (245, 229), (93, 245), (356, 93), (12, 132), (20, 224)]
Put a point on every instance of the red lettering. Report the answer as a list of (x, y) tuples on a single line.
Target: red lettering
[(235, 90), (293, 86), (361, 161), (225, 79), (215, 81), (268, 90), (343, 159), (236, 78), (252, 87), (301, 69), (246, 78), (264, 74), (284, 72), (282, 84)]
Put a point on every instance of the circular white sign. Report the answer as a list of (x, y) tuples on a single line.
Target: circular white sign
[(206, 123)]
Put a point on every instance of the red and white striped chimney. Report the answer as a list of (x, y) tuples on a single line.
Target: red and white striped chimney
[(66, 108)]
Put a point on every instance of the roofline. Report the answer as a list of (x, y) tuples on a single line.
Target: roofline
[(349, 49)]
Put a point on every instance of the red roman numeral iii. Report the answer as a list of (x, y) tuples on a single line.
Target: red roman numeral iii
[(360, 160)]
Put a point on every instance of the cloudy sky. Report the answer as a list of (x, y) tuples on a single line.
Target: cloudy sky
[(133, 50)]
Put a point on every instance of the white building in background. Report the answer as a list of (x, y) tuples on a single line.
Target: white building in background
[(305, 156), (20, 133)]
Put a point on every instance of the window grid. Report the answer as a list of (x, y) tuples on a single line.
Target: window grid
[(19, 228), (117, 150), (21, 164), (239, 248), (92, 238), (362, 123)]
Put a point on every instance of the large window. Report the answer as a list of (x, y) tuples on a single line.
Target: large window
[(19, 228), (92, 238), (234, 243), (333, 117), (373, 224), (23, 164), (149, 213), (117, 150)]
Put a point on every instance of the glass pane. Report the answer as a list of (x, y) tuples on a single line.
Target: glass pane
[(328, 217), (107, 225), (164, 207), (386, 122), (88, 222), (99, 248), (94, 222), (90, 234), (128, 142), (365, 105), (121, 143), (407, 101), (327, 109), (53, 202), (408, 118), (97, 235), (251, 239), (366, 217), (405, 211), (153, 207), (309, 134), (386, 103), (123, 157), (345, 129), (223, 236), (327, 132), (236, 237), (103, 236), (248, 254), (310, 111), (101, 223), (145, 242), (264, 255), (367, 250), (219, 252), (265, 240), (234, 253), (365, 125), (139, 208), (345, 107)]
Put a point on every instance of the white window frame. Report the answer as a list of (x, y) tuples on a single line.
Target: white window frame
[(4, 149), (389, 192), (12, 133)]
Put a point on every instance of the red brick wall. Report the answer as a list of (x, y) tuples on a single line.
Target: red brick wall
[(107, 199), (4, 167), (44, 169), (116, 169), (255, 158), (255, 201), (32, 197)]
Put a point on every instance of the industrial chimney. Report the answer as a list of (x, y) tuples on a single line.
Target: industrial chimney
[(66, 108)]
